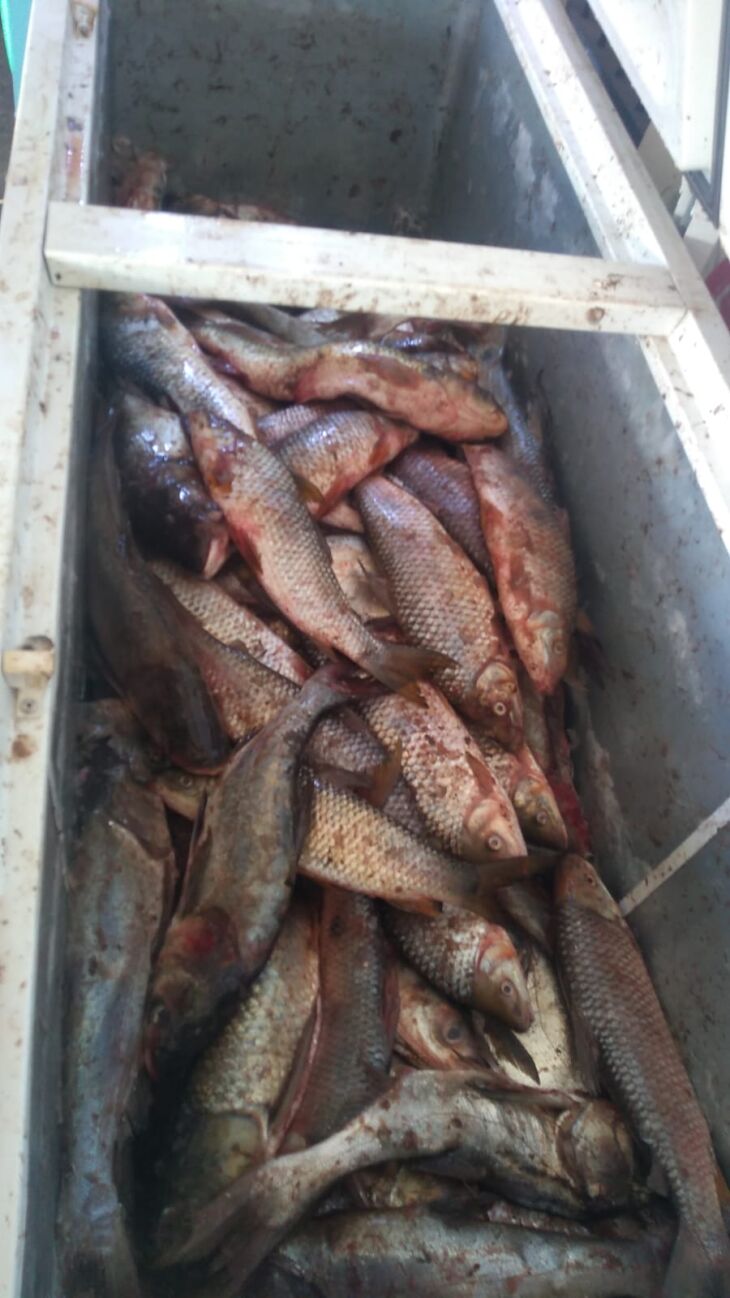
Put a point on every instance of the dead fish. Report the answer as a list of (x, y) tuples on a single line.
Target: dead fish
[(152, 668), (446, 487), (539, 1149), (139, 180), (119, 888), (394, 1253), (357, 573), (533, 564), (622, 1023), (463, 804), (395, 1185), (525, 440), (271, 526), (239, 881), (432, 1032), (273, 429), (401, 386), (182, 792), (444, 604), (530, 904), (358, 1010), (343, 517), (355, 846), (230, 622), (468, 958), (233, 1098), (335, 452), (145, 342), (527, 786), (537, 732), (170, 510)]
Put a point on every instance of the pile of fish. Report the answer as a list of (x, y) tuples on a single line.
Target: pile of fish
[(345, 1000)]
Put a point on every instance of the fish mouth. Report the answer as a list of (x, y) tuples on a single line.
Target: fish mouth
[(501, 995)]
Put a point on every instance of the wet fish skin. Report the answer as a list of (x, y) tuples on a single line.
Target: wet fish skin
[(446, 486), (526, 784), (239, 881), (273, 429), (533, 564), (616, 1006), (153, 669), (443, 603), (432, 1032), (402, 386), (271, 526), (236, 1088), (170, 510), (394, 1253), (537, 732), (525, 439), (468, 958), (119, 887)]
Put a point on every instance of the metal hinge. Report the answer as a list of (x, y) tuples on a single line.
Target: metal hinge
[(28, 671)]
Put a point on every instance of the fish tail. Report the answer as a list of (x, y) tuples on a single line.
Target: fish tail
[(396, 665), (694, 1271)]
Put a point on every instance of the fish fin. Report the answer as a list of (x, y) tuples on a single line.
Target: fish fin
[(506, 1046), (497, 874), (303, 814), (694, 1272), (196, 835), (293, 1093), (377, 586), (384, 777), (412, 694), (397, 664), (483, 776), (308, 492), (339, 777), (416, 906)]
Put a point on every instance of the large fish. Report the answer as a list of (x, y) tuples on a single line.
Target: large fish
[(239, 881), (537, 1148), (446, 486), (119, 888), (533, 564), (271, 526), (140, 637), (469, 959), (617, 1009), (402, 386), (432, 1032), (353, 845), (429, 1254), (233, 1099), (358, 1010), (444, 604), (170, 510), (526, 784)]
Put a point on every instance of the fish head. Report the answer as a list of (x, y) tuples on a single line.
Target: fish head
[(500, 703), (577, 883), (492, 832), (499, 984), (539, 813), (549, 646), (181, 791), (598, 1149)]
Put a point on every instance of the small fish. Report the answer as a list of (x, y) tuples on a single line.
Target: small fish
[(446, 487), (233, 1096), (401, 386), (239, 881), (621, 1021), (230, 622), (355, 846), (358, 575), (152, 668), (170, 510), (271, 526), (358, 1010), (533, 564), (524, 782), (336, 451), (468, 958), (119, 888), (444, 604), (432, 1032)]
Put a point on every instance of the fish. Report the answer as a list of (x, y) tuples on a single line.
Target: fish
[(144, 341), (343, 517), (444, 604), (357, 573), (537, 731), (238, 884), (139, 180), (181, 792), (272, 528), (358, 1010), (525, 783), (275, 428), (431, 1031), (338, 450), (622, 1028), (530, 904), (399, 385), (353, 845), (118, 892), (531, 1146), (392, 1253), (152, 667), (397, 1185), (446, 487), (561, 779), (170, 510), (230, 622), (525, 440), (233, 1099), (468, 958), (533, 565)]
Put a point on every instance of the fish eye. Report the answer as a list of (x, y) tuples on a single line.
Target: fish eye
[(500, 709), (507, 988), (453, 1033), (186, 781), (494, 842), (542, 818)]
